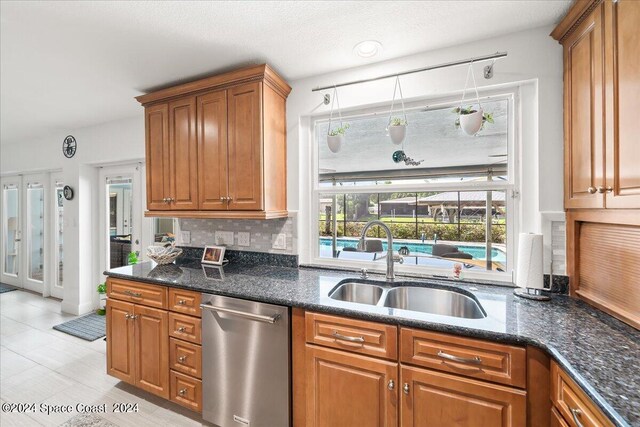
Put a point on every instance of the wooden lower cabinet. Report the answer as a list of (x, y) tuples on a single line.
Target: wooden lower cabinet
[(349, 390), (431, 398), (152, 350), (138, 343)]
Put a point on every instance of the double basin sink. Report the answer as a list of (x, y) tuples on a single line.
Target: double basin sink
[(431, 300)]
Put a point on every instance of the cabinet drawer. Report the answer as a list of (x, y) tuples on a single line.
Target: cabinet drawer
[(557, 420), (186, 391), (572, 403), (185, 357), (186, 302), (484, 360), (357, 336), (136, 292), (185, 327)]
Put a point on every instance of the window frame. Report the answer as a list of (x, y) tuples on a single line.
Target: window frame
[(511, 187)]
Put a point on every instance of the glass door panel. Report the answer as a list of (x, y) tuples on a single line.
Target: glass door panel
[(11, 230), (35, 232)]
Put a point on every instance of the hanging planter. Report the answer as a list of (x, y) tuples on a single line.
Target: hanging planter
[(471, 119), (397, 127), (336, 137)]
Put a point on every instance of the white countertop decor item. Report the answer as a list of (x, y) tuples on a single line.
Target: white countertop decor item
[(529, 267)]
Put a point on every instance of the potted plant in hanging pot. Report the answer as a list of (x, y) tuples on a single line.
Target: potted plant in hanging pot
[(397, 130), (336, 137), (471, 120)]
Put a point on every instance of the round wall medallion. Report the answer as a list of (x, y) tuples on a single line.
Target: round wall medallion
[(69, 146), (68, 192)]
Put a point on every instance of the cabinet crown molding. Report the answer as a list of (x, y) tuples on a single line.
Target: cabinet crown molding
[(220, 81), (574, 17)]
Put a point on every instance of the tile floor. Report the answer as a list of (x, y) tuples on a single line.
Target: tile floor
[(43, 366)]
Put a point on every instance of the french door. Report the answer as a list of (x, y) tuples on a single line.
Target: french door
[(25, 231)]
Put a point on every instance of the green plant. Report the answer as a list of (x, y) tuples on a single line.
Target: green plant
[(397, 121), (461, 111), (341, 130), (133, 258), (102, 288)]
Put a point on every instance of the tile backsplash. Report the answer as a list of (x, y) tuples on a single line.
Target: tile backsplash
[(262, 233)]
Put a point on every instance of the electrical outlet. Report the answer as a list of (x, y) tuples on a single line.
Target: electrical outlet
[(244, 239), (279, 241), (224, 238), (185, 237)]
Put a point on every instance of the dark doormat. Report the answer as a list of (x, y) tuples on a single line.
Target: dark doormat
[(6, 288), (89, 327)]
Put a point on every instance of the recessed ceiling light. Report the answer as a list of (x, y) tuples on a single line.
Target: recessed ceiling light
[(368, 48)]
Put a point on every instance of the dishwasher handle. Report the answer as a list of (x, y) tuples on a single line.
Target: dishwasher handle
[(252, 316)]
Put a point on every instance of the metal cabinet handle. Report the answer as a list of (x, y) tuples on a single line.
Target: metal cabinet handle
[(592, 190), (181, 302), (476, 360), (133, 294), (181, 329), (405, 388), (127, 316), (223, 199), (391, 385), (608, 189), (182, 391), (251, 316), (229, 199), (341, 337), (182, 359), (576, 413)]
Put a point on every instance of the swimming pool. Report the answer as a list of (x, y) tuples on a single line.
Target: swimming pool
[(477, 251)]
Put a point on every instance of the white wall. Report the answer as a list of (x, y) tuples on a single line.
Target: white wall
[(534, 60)]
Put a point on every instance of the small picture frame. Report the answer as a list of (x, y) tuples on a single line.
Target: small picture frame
[(213, 255)]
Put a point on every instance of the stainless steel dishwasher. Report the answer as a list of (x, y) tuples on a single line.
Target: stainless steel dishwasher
[(245, 363)]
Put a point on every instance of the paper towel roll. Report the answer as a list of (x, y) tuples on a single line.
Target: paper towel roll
[(529, 272)]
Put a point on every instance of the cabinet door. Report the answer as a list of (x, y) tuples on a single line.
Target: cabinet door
[(152, 350), (583, 114), (623, 104), (157, 156), (212, 150), (431, 398), (349, 390), (183, 154), (120, 340), (245, 147)]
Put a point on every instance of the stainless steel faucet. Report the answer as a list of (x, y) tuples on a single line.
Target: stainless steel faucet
[(390, 259)]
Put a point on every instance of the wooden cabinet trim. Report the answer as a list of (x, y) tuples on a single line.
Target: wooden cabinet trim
[(567, 395), (137, 293), (500, 363), (578, 13), (380, 340)]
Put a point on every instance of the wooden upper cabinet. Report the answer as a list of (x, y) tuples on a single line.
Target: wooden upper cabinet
[(183, 160), (601, 103), (216, 148), (245, 147), (622, 59), (157, 154), (583, 121), (212, 150)]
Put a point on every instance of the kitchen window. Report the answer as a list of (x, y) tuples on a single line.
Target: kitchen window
[(452, 203)]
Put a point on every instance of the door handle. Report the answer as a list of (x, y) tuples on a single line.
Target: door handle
[(251, 316)]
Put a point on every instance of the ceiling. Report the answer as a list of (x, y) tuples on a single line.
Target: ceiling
[(66, 65)]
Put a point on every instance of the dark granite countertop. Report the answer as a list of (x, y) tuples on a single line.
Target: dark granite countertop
[(599, 352)]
